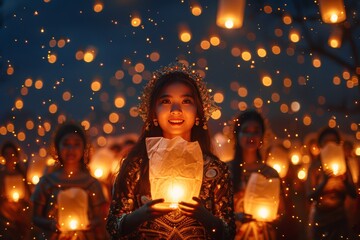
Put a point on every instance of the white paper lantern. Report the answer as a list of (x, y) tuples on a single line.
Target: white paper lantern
[(175, 170), (73, 208), (333, 158), (261, 198)]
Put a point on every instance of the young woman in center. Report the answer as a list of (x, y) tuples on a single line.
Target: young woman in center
[(175, 102)]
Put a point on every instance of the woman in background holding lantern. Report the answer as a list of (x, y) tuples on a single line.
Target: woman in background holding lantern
[(69, 202), (328, 190), (175, 103), (249, 132), (15, 211)]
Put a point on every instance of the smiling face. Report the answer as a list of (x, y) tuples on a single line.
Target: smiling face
[(71, 148), (250, 135), (176, 110)]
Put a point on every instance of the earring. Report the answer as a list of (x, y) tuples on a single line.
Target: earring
[(197, 121), (156, 123)]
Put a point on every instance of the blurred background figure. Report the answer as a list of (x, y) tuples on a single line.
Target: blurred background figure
[(68, 202), (327, 189), (249, 131), (352, 204), (15, 209)]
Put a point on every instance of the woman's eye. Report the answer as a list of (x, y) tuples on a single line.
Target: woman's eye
[(165, 101), (188, 101)]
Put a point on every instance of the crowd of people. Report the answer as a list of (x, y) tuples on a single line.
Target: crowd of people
[(70, 203)]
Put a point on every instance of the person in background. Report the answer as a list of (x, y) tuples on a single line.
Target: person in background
[(249, 132), (327, 193), (71, 149), (352, 204), (15, 205), (175, 103)]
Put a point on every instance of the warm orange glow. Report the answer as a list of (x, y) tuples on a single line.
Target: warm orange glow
[(332, 11), (119, 102), (216, 114), (294, 36), (96, 85), (230, 13)]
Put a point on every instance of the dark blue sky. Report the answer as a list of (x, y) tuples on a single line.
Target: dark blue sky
[(25, 48)]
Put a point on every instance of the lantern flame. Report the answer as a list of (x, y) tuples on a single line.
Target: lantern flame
[(35, 179), (263, 212), (335, 168), (98, 173), (15, 196), (334, 18), (73, 224)]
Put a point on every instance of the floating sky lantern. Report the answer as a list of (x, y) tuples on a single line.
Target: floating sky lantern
[(72, 210), (175, 170), (14, 188), (333, 158), (230, 13), (335, 38), (332, 11), (262, 197)]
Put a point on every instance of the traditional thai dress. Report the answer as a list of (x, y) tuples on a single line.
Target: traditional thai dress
[(215, 194)]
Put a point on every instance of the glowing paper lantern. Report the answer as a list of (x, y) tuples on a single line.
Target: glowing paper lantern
[(230, 13), (332, 11), (278, 158), (72, 211), (175, 170), (14, 188), (223, 147), (333, 158), (335, 38), (36, 169), (262, 197), (101, 163)]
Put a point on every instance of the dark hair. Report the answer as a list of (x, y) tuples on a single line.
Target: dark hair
[(64, 129), (198, 133), (248, 115), (328, 131), (9, 144)]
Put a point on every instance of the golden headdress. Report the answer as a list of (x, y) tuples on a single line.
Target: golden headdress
[(208, 104)]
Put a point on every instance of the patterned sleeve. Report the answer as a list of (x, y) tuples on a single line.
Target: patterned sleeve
[(223, 200), (123, 200)]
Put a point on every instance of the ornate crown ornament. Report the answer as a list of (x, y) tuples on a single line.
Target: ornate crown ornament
[(208, 104)]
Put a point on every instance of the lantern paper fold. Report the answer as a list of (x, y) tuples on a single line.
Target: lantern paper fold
[(175, 170), (333, 158), (261, 198), (73, 208)]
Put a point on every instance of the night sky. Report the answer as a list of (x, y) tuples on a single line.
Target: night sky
[(38, 91)]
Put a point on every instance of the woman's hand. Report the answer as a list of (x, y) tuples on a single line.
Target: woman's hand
[(197, 211), (149, 211), (243, 217)]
